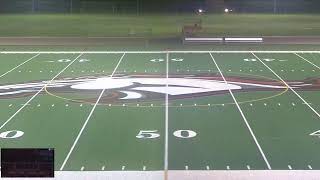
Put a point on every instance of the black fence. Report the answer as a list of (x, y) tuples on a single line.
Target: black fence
[(147, 6)]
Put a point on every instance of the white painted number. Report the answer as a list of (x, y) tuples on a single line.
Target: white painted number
[(84, 60), (11, 134), (64, 60), (254, 60), (69, 60), (177, 59), (157, 60), (161, 60), (268, 60), (250, 60), (151, 134), (184, 134), (316, 133)]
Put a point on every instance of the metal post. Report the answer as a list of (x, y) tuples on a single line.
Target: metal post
[(33, 6), (71, 6), (274, 6), (137, 7)]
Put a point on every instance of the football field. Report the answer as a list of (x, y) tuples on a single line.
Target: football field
[(164, 110)]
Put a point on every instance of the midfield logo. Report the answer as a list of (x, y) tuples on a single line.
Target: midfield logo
[(124, 88)]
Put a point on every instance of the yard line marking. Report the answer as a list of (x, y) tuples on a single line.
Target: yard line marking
[(307, 61), (147, 52), (20, 65), (88, 118), (310, 167), (22, 107), (166, 121), (242, 114), (302, 99)]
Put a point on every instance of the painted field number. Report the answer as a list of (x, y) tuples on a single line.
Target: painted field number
[(152, 134), (11, 134), (185, 134), (316, 133)]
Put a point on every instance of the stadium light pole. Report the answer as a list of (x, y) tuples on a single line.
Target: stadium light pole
[(274, 6)]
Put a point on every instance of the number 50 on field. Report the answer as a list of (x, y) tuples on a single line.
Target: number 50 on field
[(152, 134)]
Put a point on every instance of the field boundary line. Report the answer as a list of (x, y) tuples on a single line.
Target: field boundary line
[(25, 104), (243, 116), (20, 65), (166, 147), (147, 52), (88, 118), (301, 98), (307, 60)]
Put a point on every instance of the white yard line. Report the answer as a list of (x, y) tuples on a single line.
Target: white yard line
[(88, 118), (167, 120), (25, 104), (302, 99), (243, 116), (145, 52), (307, 60), (20, 65)]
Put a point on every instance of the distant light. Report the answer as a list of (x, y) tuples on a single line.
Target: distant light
[(200, 10), (226, 10)]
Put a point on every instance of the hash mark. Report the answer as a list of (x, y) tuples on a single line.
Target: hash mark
[(186, 167), (228, 167), (82, 168), (310, 167), (10, 105), (144, 168), (208, 168), (248, 167), (123, 167), (289, 167), (103, 167)]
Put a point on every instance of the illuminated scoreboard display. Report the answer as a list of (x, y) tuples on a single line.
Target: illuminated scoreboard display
[(27, 162)]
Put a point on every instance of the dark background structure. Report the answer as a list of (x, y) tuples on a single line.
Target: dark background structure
[(158, 6)]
